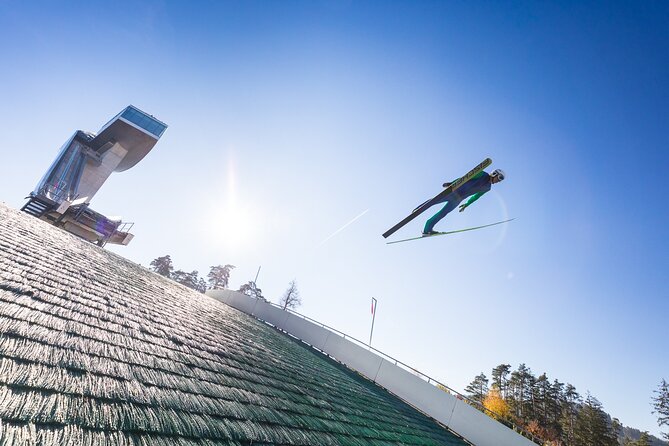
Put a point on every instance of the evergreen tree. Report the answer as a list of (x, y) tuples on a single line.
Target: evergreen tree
[(477, 389), (219, 276), (541, 395), (570, 402), (499, 378), (201, 285), (291, 298), (190, 280), (592, 426), (661, 406), (179, 276), (250, 289), (555, 401), (530, 406), (644, 440), (520, 392), (616, 429), (163, 266)]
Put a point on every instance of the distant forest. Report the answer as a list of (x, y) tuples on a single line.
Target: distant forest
[(218, 279), (555, 413)]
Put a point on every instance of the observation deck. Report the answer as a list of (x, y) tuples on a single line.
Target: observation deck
[(86, 160)]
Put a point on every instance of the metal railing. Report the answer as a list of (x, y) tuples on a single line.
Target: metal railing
[(55, 192), (416, 372)]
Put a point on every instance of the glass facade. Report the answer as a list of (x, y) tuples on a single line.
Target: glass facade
[(62, 179), (141, 119)]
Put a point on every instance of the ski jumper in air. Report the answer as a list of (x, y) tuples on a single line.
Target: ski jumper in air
[(474, 189)]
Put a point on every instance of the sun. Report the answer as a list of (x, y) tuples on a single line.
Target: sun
[(232, 220), (232, 225)]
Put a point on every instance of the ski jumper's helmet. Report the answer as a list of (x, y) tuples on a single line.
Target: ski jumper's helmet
[(499, 173)]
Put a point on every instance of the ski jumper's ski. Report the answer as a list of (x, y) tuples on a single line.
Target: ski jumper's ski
[(452, 187), (449, 232)]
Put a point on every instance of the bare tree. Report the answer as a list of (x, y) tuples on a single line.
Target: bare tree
[(291, 298)]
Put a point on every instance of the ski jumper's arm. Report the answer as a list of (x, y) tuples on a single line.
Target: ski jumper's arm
[(472, 199)]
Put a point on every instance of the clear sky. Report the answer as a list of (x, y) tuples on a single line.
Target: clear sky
[(287, 120)]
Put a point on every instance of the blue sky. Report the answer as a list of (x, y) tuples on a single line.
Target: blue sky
[(289, 119)]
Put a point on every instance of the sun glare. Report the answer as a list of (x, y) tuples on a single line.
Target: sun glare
[(232, 226), (232, 223)]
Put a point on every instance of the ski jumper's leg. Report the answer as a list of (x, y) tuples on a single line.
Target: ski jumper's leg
[(450, 205)]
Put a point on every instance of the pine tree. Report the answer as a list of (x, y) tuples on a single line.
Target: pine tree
[(661, 406), (555, 405), (219, 276), (499, 378), (570, 402), (250, 289), (644, 440), (201, 285), (477, 389), (592, 426), (163, 266), (616, 429), (179, 276), (534, 406), (530, 406), (520, 392), (191, 280)]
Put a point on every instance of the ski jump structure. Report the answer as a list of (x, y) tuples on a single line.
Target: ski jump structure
[(86, 160), (449, 409)]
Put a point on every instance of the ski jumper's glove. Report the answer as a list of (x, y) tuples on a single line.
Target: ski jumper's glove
[(463, 207)]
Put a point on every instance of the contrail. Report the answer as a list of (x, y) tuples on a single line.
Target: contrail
[(342, 228)]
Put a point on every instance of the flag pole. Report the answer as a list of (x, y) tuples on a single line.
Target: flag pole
[(374, 301)]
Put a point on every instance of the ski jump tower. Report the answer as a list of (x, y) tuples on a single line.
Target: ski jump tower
[(86, 160)]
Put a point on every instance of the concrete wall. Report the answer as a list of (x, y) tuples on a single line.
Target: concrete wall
[(95, 175), (460, 417)]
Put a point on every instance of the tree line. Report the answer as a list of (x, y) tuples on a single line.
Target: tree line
[(218, 279), (554, 411)]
